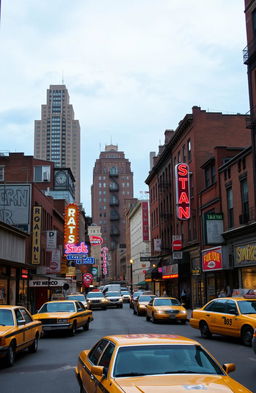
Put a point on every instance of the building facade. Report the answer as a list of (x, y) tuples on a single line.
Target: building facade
[(57, 134), (112, 186)]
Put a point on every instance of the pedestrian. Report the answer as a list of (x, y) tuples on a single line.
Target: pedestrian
[(222, 293), (164, 293)]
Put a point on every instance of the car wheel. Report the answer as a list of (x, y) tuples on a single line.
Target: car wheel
[(147, 318), (34, 347), (204, 329), (246, 335), (86, 325), (72, 331), (154, 319), (10, 356)]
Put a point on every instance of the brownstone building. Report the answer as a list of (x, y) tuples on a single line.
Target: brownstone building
[(193, 143), (112, 185)]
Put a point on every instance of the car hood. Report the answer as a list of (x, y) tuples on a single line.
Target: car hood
[(163, 308), (181, 384), (49, 315), (7, 329)]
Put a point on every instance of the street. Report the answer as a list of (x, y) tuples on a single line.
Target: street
[(51, 369)]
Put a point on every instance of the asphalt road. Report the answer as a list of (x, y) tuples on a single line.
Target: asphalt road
[(51, 369)]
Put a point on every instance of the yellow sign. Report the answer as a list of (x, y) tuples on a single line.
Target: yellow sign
[(246, 254), (36, 235)]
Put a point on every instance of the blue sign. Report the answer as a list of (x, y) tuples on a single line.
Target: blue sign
[(74, 257), (85, 261)]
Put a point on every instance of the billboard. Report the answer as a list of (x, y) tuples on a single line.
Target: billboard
[(15, 202)]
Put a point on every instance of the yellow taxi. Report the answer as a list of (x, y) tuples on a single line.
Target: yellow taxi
[(18, 331), (64, 315), (152, 363), (140, 304), (165, 308), (227, 316)]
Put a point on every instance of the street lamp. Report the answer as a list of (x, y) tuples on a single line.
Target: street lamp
[(131, 262)]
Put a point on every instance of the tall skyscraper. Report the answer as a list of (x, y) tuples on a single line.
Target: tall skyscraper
[(57, 134), (112, 187)]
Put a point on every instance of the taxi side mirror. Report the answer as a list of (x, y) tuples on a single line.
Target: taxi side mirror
[(97, 370), (21, 322), (229, 367)]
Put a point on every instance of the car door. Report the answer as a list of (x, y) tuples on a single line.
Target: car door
[(81, 314), (231, 323), (149, 308), (29, 326), (21, 330), (94, 355), (213, 314), (105, 359)]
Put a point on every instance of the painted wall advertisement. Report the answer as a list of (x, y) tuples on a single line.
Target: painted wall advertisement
[(212, 259), (36, 235), (15, 202)]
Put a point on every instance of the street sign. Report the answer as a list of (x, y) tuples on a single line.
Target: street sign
[(87, 279), (85, 261), (73, 257), (176, 242), (144, 259), (177, 255)]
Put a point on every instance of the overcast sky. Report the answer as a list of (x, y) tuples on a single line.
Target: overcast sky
[(133, 69)]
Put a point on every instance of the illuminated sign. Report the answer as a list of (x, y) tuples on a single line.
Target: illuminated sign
[(170, 271), (82, 248), (212, 259), (24, 273), (96, 240), (182, 191), (36, 237), (71, 235), (104, 255)]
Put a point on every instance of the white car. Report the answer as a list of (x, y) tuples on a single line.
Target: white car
[(114, 299), (78, 296)]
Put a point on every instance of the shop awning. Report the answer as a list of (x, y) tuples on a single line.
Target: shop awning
[(141, 283)]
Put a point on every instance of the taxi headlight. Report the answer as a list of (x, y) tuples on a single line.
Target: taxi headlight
[(104, 300), (62, 320), (160, 312), (120, 300), (183, 311), (142, 306)]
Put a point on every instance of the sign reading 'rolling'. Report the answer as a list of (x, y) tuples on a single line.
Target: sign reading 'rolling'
[(182, 191)]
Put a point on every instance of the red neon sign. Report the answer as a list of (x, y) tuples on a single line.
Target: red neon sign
[(80, 249), (182, 191)]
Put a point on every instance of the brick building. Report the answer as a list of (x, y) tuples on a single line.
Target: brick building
[(193, 142)]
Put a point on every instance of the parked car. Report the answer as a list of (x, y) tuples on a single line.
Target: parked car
[(66, 315), (18, 331), (96, 300), (114, 299), (152, 363), (227, 316)]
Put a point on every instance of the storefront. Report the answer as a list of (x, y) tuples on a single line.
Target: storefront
[(170, 277), (245, 263)]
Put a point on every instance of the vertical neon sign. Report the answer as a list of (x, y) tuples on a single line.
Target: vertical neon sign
[(182, 191)]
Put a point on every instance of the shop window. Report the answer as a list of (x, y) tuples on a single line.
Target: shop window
[(230, 207)]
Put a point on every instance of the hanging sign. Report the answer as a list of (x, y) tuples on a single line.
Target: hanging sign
[(182, 191), (71, 225), (96, 240), (36, 235)]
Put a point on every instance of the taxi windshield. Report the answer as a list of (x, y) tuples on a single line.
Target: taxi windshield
[(113, 294), (125, 293), (247, 306), (163, 359), (166, 302), (94, 294), (6, 318), (145, 298), (81, 298), (57, 307)]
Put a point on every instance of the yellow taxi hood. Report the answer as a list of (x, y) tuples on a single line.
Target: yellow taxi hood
[(169, 307), (7, 329), (182, 383), (54, 315)]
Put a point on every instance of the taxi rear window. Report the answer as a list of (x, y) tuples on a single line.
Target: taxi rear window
[(6, 318), (57, 307), (247, 306)]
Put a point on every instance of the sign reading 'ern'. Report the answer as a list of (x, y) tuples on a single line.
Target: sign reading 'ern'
[(182, 191), (71, 224)]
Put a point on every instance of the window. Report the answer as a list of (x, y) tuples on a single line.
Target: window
[(97, 351), (230, 207), (184, 153), (1, 173), (189, 150), (42, 173), (25, 315), (106, 357), (244, 198), (231, 307), (210, 175)]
